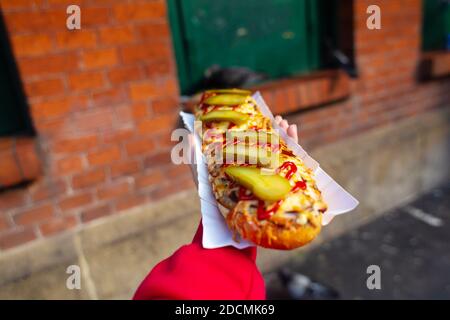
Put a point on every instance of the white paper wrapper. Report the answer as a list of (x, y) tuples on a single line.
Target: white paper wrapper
[(215, 230)]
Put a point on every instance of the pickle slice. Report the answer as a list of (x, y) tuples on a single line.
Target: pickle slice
[(253, 136), (234, 91), (265, 187), (226, 99), (225, 115), (245, 154)]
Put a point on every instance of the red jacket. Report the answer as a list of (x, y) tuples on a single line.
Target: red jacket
[(193, 272)]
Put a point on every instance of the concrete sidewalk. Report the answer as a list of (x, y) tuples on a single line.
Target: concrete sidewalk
[(411, 245)]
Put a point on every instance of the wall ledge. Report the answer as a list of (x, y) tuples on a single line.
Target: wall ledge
[(305, 91), (435, 64), (19, 161), (301, 92)]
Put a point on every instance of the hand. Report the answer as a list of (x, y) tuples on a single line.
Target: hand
[(291, 130)]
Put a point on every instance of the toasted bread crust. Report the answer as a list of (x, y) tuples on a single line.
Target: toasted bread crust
[(270, 235), (294, 221)]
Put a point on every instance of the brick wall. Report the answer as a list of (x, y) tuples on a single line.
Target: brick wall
[(387, 88), (104, 100)]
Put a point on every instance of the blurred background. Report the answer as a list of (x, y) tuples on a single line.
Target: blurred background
[(86, 116)]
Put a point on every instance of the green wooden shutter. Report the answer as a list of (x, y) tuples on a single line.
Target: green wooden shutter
[(436, 24), (275, 37)]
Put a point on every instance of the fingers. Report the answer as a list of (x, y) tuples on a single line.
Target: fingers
[(284, 124), (292, 132), (278, 119)]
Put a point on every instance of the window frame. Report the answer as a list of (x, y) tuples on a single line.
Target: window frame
[(180, 43)]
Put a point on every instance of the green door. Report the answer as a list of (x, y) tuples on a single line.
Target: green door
[(274, 37), (436, 24)]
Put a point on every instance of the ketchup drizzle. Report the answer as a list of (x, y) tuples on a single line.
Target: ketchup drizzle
[(263, 214), (243, 195), (292, 169)]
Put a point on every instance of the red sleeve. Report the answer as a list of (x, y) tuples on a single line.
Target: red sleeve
[(193, 272)]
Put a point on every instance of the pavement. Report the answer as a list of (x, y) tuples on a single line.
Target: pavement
[(410, 244)]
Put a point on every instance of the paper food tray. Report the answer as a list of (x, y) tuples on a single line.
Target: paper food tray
[(215, 230)]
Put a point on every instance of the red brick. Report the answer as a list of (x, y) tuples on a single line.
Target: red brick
[(27, 158), (10, 173), (114, 191), (93, 120), (48, 109), (69, 165), (76, 201), (143, 51), (46, 87), (31, 44), (125, 74), (144, 90), (140, 146), (23, 21), (110, 97), (139, 11), (104, 156), (76, 39), (4, 224), (164, 191), (158, 123), (117, 35), (34, 215), (48, 64), (88, 178), (48, 190), (165, 105), (157, 160), (95, 16), (95, 213), (118, 136), (75, 144), (16, 237), (140, 110), (124, 168), (163, 141), (12, 199), (177, 171), (130, 201), (150, 179), (99, 58), (86, 80), (58, 225), (59, 3), (124, 115), (159, 67), (19, 4), (50, 127), (6, 143), (153, 30)]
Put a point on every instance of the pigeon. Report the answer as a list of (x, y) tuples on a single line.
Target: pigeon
[(301, 287)]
